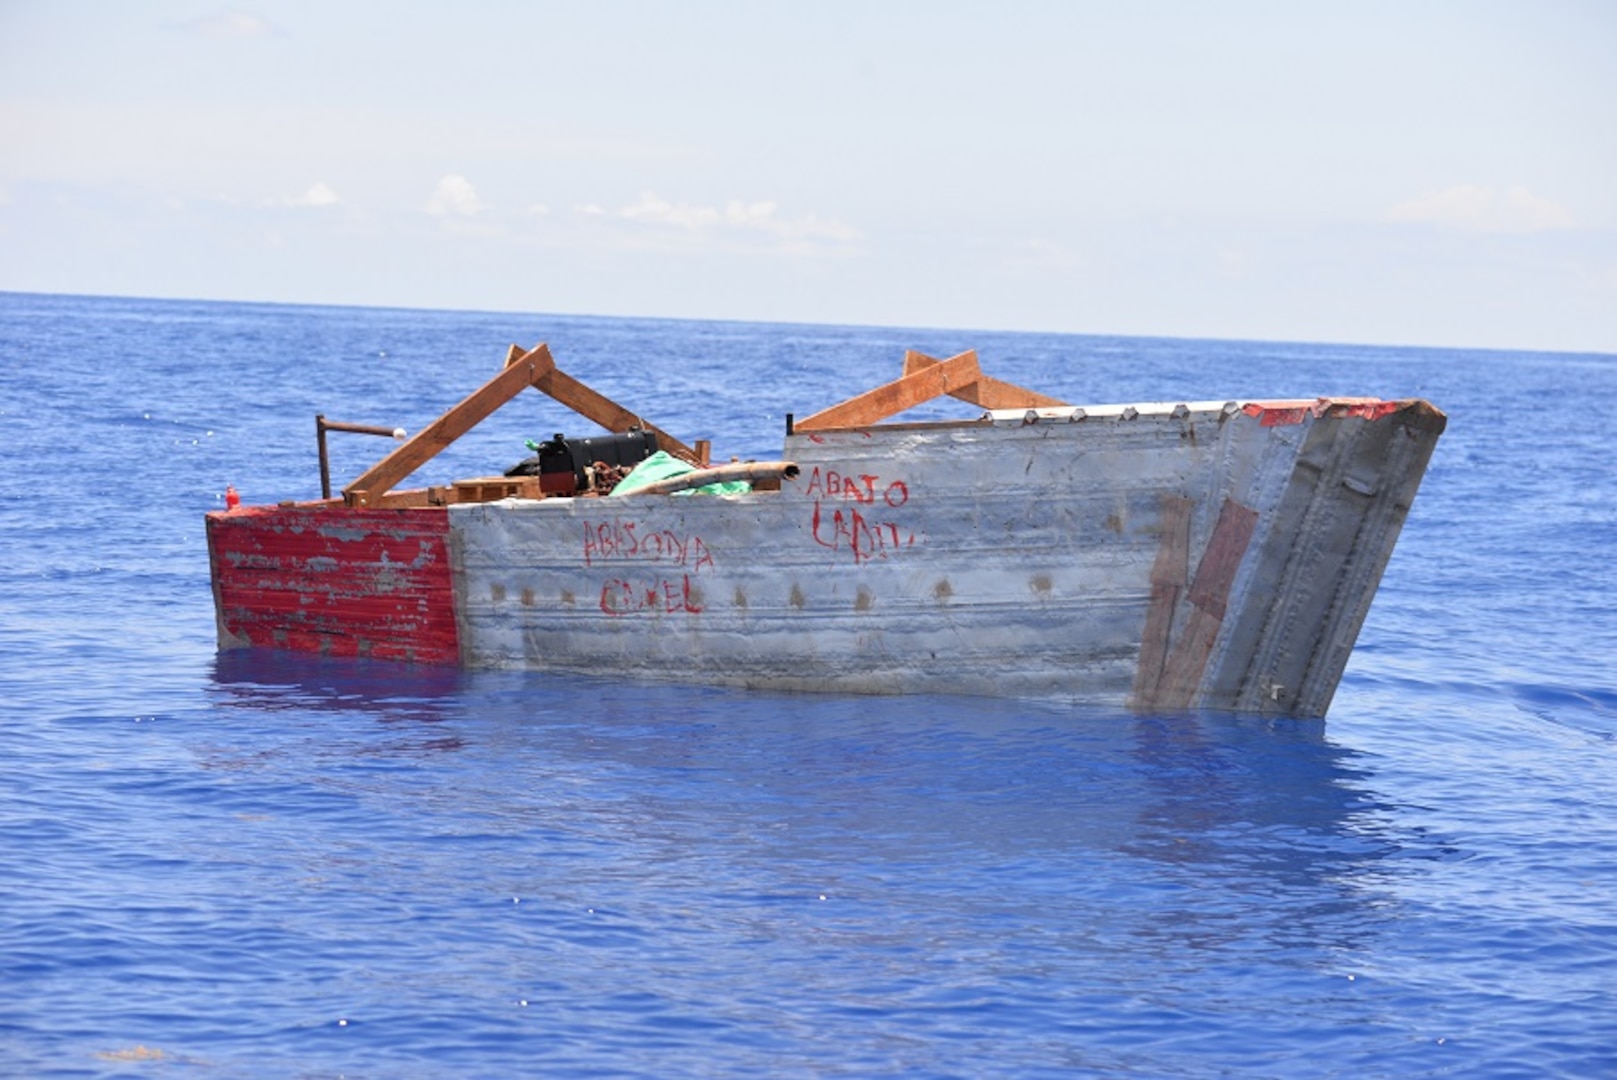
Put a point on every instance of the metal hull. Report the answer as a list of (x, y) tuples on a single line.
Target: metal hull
[(1159, 558)]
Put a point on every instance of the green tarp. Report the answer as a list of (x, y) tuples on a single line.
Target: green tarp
[(662, 466)]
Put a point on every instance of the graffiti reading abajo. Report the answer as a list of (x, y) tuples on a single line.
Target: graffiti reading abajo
[(851, 528)]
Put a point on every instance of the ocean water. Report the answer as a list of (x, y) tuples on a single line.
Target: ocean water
[(266, 865)]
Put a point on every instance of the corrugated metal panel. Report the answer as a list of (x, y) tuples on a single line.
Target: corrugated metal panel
[(1110, 555), (979, 558)]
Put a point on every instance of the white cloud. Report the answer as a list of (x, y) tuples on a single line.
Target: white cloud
[(737, 215), (230, 24), (454, 196), (1485, 209), (537, 209), (319, 194), (652, 209), (588, 210)]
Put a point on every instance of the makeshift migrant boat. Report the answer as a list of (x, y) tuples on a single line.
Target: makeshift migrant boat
[(1152, 556)]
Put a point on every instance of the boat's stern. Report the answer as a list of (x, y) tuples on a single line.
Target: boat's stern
[(335, 580)]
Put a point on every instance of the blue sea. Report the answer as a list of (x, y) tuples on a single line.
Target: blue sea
[(260, 865)]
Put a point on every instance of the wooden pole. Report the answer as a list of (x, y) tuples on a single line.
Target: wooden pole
[(719, 474)]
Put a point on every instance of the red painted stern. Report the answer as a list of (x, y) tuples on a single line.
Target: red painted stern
[(325, 578)]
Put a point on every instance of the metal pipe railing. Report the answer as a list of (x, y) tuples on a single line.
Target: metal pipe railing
[(322, 425)]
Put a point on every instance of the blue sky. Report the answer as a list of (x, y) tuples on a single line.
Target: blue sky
[(1438, 173)]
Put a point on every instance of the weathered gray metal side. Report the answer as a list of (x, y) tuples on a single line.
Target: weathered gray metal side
[(1319, 562), (1156, 557)]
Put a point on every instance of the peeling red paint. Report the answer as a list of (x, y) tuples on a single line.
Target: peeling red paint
[(1278, 413), (1365, 408), (334, 580)]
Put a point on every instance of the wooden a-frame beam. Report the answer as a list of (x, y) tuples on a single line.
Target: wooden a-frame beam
[(987, 392), (906, 392), (425, 444), (534, 367), (600, 408)]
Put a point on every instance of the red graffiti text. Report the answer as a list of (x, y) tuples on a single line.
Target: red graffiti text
[(629, 540), (856, 520), (621, 597)]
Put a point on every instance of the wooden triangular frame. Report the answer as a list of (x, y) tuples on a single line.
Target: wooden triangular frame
[(534, 367), (926, 377)]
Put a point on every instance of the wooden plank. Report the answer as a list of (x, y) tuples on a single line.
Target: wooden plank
[(490, 488), (421, 448), (402, 500), (987, 392), (902, 393)]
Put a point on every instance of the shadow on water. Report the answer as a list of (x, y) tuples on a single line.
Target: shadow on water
[(251, 686), (836, 780), (271, 681)]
